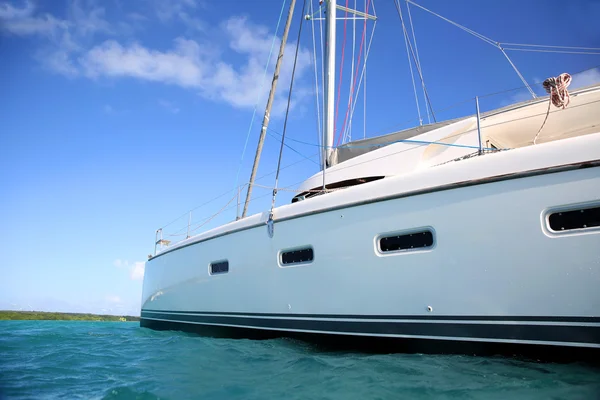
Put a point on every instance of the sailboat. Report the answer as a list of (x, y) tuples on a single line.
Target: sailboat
[(477, 234)]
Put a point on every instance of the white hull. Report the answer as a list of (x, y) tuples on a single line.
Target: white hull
[(480, 282)]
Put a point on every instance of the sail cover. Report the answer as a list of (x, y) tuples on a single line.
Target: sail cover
[(357, 147)]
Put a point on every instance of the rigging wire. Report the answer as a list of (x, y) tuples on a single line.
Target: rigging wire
[(412, 28), (365, 86), (396, 2), (319, 133), (552, 51), (464, 28), (322, 72), (227, 192), (206, 220), (237, 175), (410, 68), (287, 109), (382, 144), (534, 83), (348, 136), (362, 75), (548, 46), (485, 39), (291, 148), (341, 74), (362, 41)]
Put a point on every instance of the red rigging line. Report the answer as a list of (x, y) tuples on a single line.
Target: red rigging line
[(337, 106), (362, 41)]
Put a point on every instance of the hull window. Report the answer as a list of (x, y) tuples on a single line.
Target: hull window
[(298, 256), (575, 219), (408, 241), (221, 267)]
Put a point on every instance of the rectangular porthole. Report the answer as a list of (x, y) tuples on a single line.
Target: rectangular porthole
[(303, 255), (575, 219), (220, 267), (406, 241)]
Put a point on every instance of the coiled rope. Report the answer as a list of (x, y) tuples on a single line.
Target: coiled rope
[(556, 87)]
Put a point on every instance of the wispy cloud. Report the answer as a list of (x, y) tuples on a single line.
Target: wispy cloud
[(180, 12), (586, 78), (88, 18), (120, 263), (8, 11), (111, 298), (21, 20), (63, 37), (136, 269), (109, 109), (170, 107), (180, 66), (190, 64)]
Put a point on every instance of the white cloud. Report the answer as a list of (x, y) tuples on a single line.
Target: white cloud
[(180, 66), (136, 269), (585, 78), (118, 262), (137, 272), (190, 64)]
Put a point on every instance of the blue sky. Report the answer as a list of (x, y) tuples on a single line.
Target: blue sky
[(116, 117)]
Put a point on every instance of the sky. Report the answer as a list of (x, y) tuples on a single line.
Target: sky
[(118, 117)]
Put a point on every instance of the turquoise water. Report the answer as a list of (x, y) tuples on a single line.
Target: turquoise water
[(112, 360)]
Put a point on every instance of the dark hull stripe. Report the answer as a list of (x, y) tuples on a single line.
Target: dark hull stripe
[(571, 334), (354, 343), (518, 318)]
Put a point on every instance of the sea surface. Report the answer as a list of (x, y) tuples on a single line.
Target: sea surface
[(120, 360)]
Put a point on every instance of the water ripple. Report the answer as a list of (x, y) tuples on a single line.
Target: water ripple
[(108, 360)]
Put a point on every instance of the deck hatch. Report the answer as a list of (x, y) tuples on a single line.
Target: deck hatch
[(407, 241), (297, 256), (219, 267), (582, 218)]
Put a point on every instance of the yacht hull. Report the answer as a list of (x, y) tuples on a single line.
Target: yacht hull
[(497, 278)]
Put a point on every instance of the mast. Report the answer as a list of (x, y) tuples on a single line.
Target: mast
[(265, 122), (329, 84)]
